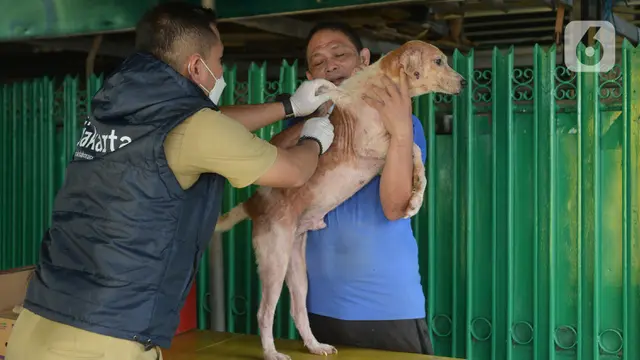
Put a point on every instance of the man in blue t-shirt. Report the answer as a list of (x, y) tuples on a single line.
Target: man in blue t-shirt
[(364, 280)]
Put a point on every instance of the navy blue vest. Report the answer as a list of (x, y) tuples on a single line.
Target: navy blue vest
[(126, 240)]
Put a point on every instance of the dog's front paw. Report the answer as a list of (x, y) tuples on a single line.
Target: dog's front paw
[(322, 349), (417, 196), (414, 206), (274, 355)]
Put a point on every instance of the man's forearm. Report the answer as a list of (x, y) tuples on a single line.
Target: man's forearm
[(255, 117), (396, 181), (304, 158)]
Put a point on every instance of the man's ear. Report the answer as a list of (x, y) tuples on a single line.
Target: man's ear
[(190, 70), (309, 77), (365, 56)]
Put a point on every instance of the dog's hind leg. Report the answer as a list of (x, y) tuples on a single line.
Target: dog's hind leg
[(297, 283), (273, 248)]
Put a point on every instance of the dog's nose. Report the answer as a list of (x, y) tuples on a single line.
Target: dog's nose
[(463, 82)]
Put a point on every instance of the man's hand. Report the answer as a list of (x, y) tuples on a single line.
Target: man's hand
[(393, 103), (295, 165), (319, 129), (305, 101)]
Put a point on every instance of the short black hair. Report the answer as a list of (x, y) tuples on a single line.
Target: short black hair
[(171, 29), (342, 27)]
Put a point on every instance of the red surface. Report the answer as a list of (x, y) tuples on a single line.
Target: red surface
[(189, 313)]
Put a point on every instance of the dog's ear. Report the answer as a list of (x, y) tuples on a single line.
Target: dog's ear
[(412, 62), (410, 58)]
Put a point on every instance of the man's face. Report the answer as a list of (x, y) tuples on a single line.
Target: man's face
[(332, 56), (197, 70)]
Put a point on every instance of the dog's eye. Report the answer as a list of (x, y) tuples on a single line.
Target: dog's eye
[(417, 75), (438, 62)]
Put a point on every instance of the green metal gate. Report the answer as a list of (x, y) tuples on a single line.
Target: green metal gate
[(529, 240)]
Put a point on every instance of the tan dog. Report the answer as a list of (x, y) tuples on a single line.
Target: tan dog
[(282, 217)]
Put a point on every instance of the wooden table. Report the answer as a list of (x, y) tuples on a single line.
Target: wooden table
[(209, 345)]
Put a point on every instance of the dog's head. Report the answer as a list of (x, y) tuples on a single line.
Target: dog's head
[(426, 68)]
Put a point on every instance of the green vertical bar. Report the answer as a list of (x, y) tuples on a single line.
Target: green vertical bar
[(609, 205), (423, 110), (36, 164), (229, 248), (34, 213), (510, 204), (288, 77), (24, 172), (257, 83), (626, 208), (456, 348), (202, 291), (23, 181), (203, 272), (94, 83), (68, 107), (552, 213), (438, 260), (14, 177), (287, 84), (4, 177), (544, 116), (595, 212), (428, 117), (462, 114), (75, 121), (588, 120), (8, 101), (41, 171), (631, 200), (478, 205), (471, 229), (50, 130), (229, 200), (501, 80)]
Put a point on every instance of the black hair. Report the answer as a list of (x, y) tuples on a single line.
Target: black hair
[(171, 28), (342, 27)]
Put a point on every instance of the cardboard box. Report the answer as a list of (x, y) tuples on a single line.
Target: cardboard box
[(13, 289)]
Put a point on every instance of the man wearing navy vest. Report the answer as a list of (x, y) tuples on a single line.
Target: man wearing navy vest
[(142, 193), (364, 279)]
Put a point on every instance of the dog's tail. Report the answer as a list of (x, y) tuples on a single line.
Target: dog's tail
[(230, 219)]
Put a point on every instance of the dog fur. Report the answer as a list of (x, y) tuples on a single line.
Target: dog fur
[(282, 216)]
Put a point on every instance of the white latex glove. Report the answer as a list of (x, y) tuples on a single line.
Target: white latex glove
[(320, 129), (305, 101)]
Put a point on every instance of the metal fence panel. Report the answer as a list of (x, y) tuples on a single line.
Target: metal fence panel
[(529, 238), (39, 122)]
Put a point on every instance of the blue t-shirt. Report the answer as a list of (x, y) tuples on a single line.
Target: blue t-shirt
[(363, 266)]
